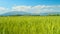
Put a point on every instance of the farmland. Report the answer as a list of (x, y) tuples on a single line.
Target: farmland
[(30, 25)]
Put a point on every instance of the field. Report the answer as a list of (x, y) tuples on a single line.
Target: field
[(30, 25)]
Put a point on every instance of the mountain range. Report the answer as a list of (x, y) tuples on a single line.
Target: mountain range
[(27, 13), (15, 13)]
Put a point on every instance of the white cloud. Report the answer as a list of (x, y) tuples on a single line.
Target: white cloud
[(3, 10), (37, 9), (21, 8), (46, 8)]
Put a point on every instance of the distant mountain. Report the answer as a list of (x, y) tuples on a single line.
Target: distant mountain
[(15, 13), (49, 13), (27, 13)]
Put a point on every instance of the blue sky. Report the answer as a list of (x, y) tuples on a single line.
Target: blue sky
[(11, 3)]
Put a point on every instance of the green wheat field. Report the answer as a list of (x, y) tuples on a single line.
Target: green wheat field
[(30, 25)]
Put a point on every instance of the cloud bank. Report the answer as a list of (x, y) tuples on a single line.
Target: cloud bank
[(33, 9), (37, 9), (3, 10), (21, 8)]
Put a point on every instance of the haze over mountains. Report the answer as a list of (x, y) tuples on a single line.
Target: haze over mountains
[(27, 13), (14, 13)]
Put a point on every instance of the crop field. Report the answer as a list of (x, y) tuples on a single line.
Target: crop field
[(30, 25)]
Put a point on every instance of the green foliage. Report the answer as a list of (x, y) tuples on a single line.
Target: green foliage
[(30, 25)]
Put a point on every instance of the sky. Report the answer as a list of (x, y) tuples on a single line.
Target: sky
[(34, 6)]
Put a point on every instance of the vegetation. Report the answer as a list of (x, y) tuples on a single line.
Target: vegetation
[(30, 25)]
